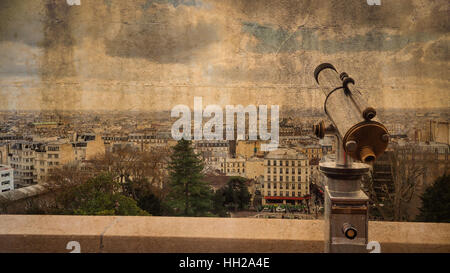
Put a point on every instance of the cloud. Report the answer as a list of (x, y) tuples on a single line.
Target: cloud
[(438, 51), (270, 39), (165, 34), (20, 22), (174, 3), (422, 61)]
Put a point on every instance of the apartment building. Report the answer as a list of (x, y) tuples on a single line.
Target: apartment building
[(21, 159), (4, 151), (52, 155), (233, 166), (312, 151), (212, 152), (254, 168), (286, 177), (6, 178), (87, 146), (249, 148)]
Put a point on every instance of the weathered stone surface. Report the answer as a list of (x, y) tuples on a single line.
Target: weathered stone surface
[(51, 233), (155, 54)]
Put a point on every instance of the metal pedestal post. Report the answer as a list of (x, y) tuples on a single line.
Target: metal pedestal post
[(346, 205)]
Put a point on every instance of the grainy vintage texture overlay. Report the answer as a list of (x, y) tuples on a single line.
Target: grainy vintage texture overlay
[(154, 54), (210, 108)]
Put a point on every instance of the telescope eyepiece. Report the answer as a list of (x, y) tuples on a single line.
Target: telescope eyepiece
[(349, 231), (367, 155)]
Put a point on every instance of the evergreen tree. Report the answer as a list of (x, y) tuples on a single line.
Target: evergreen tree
[(189, 194), (436, 202), (218, 203), (236, 194)]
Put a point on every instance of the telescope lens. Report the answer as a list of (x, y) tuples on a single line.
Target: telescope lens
[(367, 154), (349, 231), (369, 158)]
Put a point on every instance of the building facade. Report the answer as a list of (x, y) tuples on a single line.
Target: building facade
[(286, 177), (21, 159), (234, 166), (6, 178)]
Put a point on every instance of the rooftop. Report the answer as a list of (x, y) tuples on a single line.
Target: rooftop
[(21, 193), (285, 153)]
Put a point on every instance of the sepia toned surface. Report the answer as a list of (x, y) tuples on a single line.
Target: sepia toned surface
[(154, 54), (51, 233), (86, 93)]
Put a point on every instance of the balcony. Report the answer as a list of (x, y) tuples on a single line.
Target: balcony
[(51, 233)]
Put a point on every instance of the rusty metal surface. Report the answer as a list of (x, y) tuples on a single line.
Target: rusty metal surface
[(368, 136), (354, 119)]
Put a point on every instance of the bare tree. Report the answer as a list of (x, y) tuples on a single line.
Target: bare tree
[(137, 171), (393, 197), (63, 180)]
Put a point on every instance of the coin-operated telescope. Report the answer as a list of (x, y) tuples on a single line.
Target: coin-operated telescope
[(361, 138)]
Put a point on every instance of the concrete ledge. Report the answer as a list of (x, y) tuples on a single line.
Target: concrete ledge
[(51, 233)]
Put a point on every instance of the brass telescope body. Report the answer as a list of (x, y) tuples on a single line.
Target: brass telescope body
[(364, 138)]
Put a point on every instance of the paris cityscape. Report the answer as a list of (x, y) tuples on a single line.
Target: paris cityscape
[(35, 142), (224, 126)]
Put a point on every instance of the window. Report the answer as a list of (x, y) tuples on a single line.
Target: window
[(5, 182), (5, 190), (281, 178)]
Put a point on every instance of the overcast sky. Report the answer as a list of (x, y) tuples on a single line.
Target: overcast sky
[(154, 54)]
